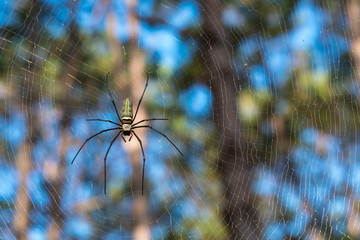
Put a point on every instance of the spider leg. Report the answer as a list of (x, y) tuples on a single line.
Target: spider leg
[(106, 130), (150, 119), (137, 108), (112, 99), (131, 136), (103, 120), (143, 170), (161, 134), (112, 142), (122, 136)]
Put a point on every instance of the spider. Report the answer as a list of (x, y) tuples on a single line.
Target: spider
[(125, 127)]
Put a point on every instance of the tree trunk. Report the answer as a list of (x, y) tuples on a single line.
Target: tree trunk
[(23, 159), (22, 204), (353, 13), (141, 230), (137, 83), (117, 61), (234, 161), (55, 179)]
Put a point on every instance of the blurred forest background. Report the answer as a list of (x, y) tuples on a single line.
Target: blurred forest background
[(262, 97)]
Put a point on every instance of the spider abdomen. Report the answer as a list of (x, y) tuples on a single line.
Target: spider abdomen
[(127, 112)]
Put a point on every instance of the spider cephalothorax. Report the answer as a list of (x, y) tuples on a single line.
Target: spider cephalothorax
[(125, 127)]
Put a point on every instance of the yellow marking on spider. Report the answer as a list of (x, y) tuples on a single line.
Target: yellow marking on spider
[(127, 111)]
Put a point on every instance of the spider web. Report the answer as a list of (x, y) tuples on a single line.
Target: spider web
[(293, 74)]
